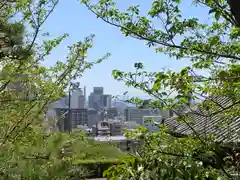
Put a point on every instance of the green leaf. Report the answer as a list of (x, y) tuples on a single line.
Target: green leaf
[(217, 15), (212, 11)]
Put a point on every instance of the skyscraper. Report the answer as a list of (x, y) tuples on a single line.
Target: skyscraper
[(96, 98), (107, 101), (98, 90), (76, 97), (81, 102), (85, 96)]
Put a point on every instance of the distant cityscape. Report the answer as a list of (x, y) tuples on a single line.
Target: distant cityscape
[(99, 114)]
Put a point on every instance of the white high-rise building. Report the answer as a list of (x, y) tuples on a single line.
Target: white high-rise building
[(77, 99)]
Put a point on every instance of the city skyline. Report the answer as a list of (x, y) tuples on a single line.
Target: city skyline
[(125, 52)]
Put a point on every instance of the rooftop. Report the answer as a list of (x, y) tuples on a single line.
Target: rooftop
[(209, 122)]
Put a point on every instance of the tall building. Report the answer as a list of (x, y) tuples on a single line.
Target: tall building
[(98, 90), (77, 99), (59, 108), (112, 112), (78, 117), (90, 100), (95, 100), (81, 102), (85, 96), (107, 101)]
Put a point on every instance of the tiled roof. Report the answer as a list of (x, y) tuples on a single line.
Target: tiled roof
[(209, 122)]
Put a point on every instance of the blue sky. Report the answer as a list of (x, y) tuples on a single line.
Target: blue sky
[(72, 17)]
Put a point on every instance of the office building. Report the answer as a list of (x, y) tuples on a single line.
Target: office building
[(93, 117), (90, 100), (85, 96), (77, 99), (81, 102), (98, 90), (107, 101), (136, 114), (58, 111), (111, 112), (77, 116), (97, 100)]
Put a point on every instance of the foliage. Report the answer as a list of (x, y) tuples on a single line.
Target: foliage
[(26, 89), (39, 156), (98, 166), (212, 47), (98, 151)]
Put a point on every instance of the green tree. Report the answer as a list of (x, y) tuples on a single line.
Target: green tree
[(211, 47), (27, 87)]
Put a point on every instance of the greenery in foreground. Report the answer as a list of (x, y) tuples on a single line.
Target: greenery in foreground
[(212, 46), (26, 89)]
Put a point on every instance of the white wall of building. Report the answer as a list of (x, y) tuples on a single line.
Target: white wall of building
[(75, 98)]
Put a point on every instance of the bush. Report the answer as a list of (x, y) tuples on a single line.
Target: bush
[(96, 167)]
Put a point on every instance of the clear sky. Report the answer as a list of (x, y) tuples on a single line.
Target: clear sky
[(72, 17)]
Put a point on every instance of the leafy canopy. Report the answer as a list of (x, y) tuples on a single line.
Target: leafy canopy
[(213, 49), (26, 89)]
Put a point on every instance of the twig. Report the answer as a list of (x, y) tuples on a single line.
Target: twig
[(141, 37)]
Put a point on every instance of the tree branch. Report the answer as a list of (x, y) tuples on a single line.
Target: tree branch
[(141, 37)]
